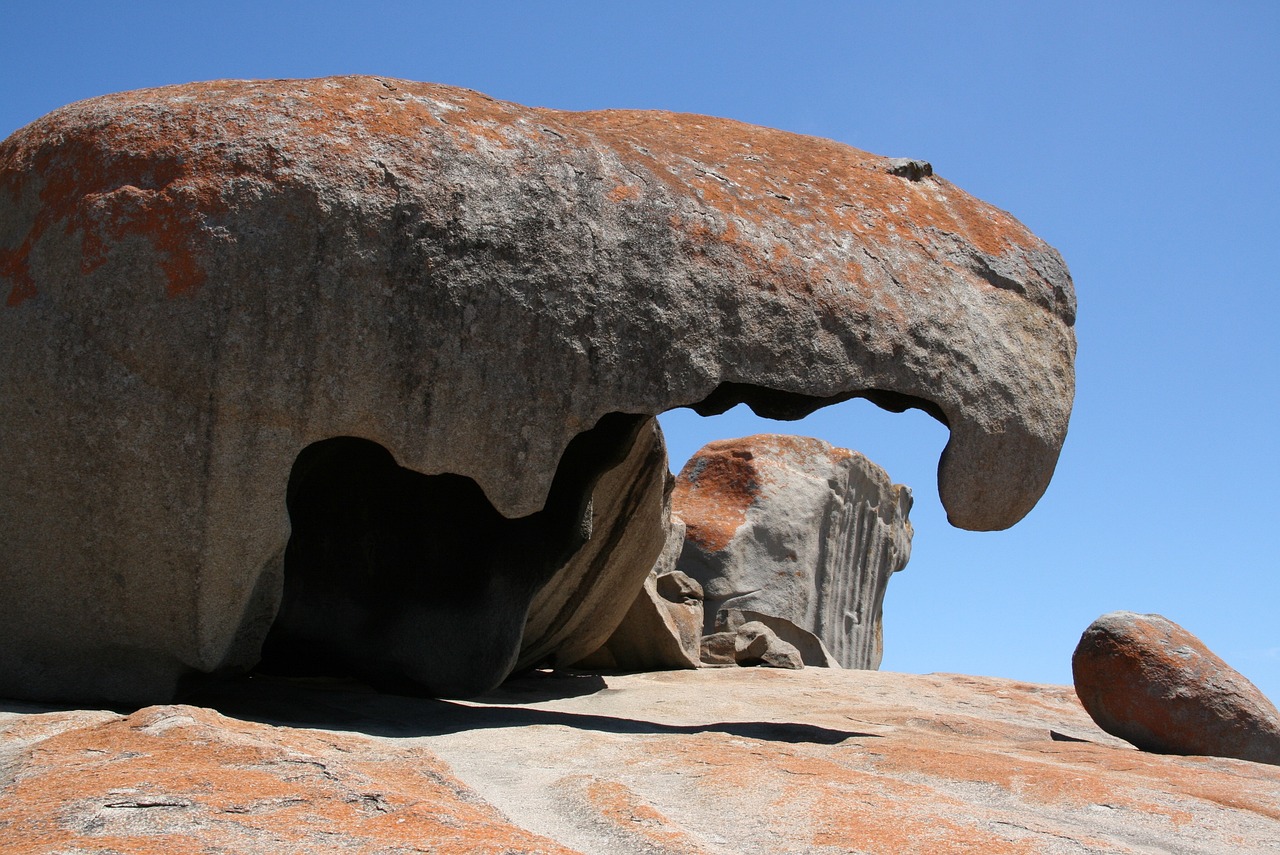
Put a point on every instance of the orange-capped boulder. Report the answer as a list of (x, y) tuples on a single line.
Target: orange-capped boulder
[(1149, 681), (798, 530)]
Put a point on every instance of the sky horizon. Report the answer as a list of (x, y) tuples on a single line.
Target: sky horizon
[(1138, 139)]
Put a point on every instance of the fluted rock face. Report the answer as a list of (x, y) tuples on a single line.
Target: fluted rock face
[(202, 281), (795, 528)]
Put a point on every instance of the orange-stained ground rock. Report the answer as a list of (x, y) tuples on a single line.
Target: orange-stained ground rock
[(181, 780), (1149, 681), (717, 761)]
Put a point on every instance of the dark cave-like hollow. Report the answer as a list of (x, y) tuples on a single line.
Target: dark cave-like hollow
[(414, 582)]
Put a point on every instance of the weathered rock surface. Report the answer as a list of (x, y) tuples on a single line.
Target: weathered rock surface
[(795, 528), (663, 627), (683, 598), (182, 779), (1145, 679), (720, 648), (728, 760), (579, 608), (201, 282)]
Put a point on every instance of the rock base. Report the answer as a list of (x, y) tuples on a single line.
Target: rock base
[(724, 760)]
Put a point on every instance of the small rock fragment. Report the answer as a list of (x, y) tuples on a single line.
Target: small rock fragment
[(1147, 680), (682, 600), (756, 644), (812, 651), (719, 648), (912, 170)]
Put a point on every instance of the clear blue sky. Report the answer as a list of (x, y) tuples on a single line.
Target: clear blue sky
[(1141, 139)]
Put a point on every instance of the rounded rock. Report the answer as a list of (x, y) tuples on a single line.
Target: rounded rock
[(1147, 680)]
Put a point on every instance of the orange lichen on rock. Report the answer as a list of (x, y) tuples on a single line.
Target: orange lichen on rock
[(798, 530), (980, 772), (875, 822), (829, 190), (628, 816), (178, 779), (713, 493), (844, 798), (13, 266), (123, 182), (746, 174), (719, 484), (623, 192), (710, 761), (1149, 681)]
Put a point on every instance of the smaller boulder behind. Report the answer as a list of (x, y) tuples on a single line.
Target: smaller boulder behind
[(796, 529), (1147, 680)]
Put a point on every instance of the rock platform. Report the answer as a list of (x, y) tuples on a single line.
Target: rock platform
[(719, 760)]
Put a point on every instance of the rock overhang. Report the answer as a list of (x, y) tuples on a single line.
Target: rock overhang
[(202, 280), (677, 216)]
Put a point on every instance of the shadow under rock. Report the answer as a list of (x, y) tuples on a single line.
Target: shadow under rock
[(17, 707), (349, 706)]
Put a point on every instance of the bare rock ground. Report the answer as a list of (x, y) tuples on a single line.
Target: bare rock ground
[(729, 760)]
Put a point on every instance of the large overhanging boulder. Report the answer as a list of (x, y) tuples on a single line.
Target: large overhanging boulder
[(201, 281)]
